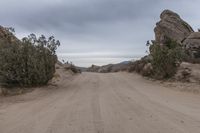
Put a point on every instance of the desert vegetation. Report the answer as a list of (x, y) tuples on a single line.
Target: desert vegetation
[(29, 62), (166, 59), (71, 67)]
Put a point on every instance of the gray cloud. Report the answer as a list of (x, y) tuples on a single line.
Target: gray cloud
[(119, 27)]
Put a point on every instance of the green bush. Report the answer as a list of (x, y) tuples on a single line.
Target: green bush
[(138, 65), (166, 58), (30, 62)]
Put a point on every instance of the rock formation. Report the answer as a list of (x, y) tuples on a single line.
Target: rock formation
[(192, 44), (171, 26), (169, 29)]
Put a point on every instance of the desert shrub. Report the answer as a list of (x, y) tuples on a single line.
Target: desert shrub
[(166, 58), (138, 66), (75, 69), (30, 62), (72, 67)]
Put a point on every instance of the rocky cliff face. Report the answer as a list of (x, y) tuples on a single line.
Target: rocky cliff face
[(171, 26)]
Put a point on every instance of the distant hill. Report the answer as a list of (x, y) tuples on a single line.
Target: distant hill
[(122, 66), (124, 62)]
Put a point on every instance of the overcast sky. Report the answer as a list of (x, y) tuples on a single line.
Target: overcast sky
[(95, 31)]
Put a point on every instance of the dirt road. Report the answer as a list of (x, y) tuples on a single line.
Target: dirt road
[(102, 103)]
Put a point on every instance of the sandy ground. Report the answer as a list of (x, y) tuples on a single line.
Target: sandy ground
[(101, 103)]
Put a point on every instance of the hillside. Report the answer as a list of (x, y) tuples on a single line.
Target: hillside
[(123, 66)]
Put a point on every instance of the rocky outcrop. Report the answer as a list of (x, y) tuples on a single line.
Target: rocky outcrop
[(171, 26), (170, 30), (192, 45)]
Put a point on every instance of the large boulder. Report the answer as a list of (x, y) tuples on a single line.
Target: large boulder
[(192, 45), (171, 26)]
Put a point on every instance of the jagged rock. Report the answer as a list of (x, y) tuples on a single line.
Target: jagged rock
[(171, 26), (192, 45)]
